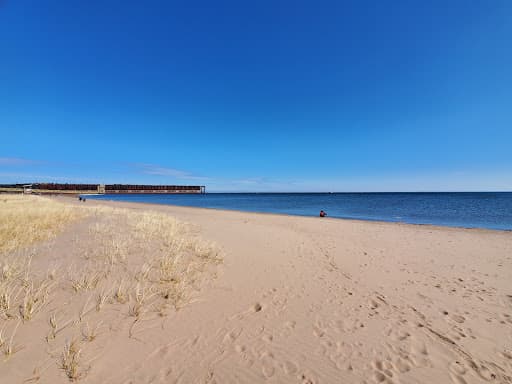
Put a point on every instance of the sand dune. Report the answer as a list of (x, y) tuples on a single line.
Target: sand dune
[(296, 300)]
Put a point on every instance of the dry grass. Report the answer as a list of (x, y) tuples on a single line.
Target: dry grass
[(89, 334), (53, 325), (36, 296), (25, 220), (121, 293), (70, 360), (8, 347), (86, 279), (142, 264), (101, 299)]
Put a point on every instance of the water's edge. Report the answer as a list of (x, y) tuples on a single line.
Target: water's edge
[(305, 205)]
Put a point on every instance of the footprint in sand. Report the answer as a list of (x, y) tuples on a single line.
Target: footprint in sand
[(457, 333), (232, 335), (507, 356), (458, 318), (268, 366), (268, 370), (457, 379), (382, 371), (268, 338), (287, 329), (373, 305), (379, 377), (458, 368), (506, 318), (270, 292), (346, 325), (247, 356), (343, 365), (402, 366), (485, 373), (396, 332), (400, 335), (290, 368), (306, 379), (419, 353), (319, 328)]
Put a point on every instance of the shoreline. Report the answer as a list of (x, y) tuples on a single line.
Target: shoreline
[(426, 225), (293, 299)]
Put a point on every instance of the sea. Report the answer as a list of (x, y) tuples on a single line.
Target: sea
[(491, 210)]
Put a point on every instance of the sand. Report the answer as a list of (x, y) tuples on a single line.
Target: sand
[(300, 300)]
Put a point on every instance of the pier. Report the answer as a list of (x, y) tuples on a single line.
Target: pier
[(103, 189)]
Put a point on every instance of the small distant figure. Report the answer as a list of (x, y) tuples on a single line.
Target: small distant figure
[(323, 214), (83, 199), (79, 198)]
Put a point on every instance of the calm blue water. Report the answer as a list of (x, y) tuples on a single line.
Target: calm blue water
[(473, 210)]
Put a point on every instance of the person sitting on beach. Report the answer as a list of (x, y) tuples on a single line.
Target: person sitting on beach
[(79, 198), (323, 214)]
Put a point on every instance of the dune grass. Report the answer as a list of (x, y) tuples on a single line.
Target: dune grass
[(133, 264), (25, 220), (70, 360)]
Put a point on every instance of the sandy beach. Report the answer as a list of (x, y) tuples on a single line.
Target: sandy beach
[(266, 298)]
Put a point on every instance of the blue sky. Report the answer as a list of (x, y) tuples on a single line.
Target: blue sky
[(258, 96)]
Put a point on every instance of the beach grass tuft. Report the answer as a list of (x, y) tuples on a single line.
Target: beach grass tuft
[(70, 360)]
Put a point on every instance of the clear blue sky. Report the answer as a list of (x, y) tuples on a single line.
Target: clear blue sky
[(258, 96)]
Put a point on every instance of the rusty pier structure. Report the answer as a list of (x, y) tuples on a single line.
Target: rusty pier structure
[(103, 189)]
